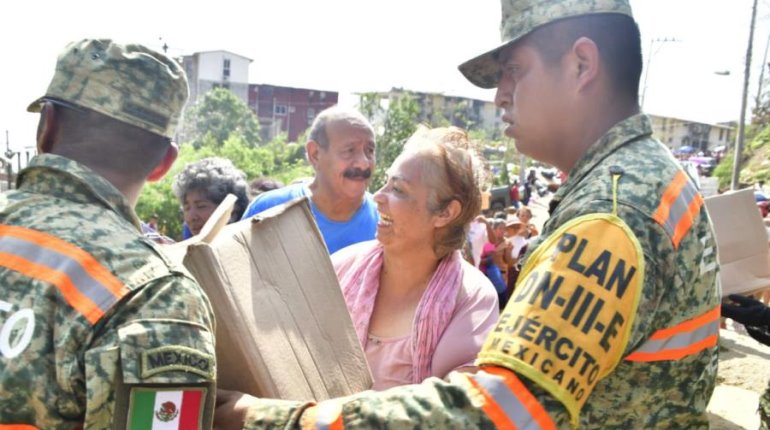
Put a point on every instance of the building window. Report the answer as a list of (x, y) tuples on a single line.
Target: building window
[(310, 114), (226, 68), (322, 95), (280, 110)]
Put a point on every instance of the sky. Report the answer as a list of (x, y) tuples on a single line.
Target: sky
[(354, 46)]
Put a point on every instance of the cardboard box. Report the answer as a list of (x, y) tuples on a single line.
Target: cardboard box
[(283, 329), (742, 242)]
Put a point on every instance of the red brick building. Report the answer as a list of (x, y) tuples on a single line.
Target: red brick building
[(287, 109)]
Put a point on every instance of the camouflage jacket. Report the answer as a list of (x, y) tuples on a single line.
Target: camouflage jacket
[(94, 318), (663, 354)]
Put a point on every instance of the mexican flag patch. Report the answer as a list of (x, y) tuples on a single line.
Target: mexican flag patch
[(151, 409)]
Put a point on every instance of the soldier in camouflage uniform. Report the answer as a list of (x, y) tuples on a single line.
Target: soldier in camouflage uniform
[(98, 329), (755, 316), (764, 409), (615, 318)]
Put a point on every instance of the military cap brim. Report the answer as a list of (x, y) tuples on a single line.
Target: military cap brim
[(520, 18), (36, 106), (484, 71)]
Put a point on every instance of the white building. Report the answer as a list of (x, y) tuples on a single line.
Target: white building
[(675, 133), (213, 69), (439, 109)]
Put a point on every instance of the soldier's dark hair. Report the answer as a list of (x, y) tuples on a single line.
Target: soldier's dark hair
[(106, 144), (616, 36)]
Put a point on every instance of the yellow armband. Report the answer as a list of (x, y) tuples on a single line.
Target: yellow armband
[(568, 321)]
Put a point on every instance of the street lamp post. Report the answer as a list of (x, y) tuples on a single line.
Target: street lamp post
[(734, 183)]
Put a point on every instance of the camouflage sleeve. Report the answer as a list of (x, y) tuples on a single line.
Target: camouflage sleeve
[(463, 401), (152, 359)]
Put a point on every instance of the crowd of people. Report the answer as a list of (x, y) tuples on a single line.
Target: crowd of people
[(604, 323), (496, 244)]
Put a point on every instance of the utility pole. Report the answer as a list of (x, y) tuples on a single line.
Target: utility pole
[(8, 160), (165, 45), (758, 99), (650, 54), (734, 183)]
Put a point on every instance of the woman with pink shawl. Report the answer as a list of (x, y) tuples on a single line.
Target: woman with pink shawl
[(419, 309)]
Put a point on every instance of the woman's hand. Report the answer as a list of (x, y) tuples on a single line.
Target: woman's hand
[(231, 409)]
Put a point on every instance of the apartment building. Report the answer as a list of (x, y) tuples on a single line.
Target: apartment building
[(287, 109), (677, 133), (217, 69), (440, 109)]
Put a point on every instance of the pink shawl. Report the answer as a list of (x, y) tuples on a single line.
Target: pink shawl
[(361, 280)]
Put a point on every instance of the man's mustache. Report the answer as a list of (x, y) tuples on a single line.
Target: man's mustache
[(357, 173)]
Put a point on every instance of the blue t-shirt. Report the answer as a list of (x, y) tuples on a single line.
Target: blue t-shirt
[(337, 234)]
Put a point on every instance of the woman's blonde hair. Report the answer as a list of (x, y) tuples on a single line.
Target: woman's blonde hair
[(452, 170)]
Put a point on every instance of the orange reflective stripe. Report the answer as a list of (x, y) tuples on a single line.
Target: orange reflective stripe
[(678, 208), (83, 282), (17, 427), (677, 353), (86, 261), (491, 409), (507, 401), (538, 412), (688, 325), (687, 220), (326, 415), (669, 196), (687, 338), (60, 280)]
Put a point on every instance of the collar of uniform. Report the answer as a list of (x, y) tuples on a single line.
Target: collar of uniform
[(74, 181), (628, 130)]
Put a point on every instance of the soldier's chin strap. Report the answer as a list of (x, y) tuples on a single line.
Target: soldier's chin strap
[(616, 172)]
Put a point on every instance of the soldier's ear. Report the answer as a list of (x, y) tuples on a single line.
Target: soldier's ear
[(46, 128), (165, 164), (585, 62)]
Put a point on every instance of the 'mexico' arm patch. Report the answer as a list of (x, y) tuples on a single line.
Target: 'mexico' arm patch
[(176, 358), (568, 321)]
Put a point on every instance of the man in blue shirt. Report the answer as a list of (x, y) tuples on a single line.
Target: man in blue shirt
[(341, 149)]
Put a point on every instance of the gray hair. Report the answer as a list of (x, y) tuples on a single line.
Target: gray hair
[(332, 115), (452, 170), (214, 178)]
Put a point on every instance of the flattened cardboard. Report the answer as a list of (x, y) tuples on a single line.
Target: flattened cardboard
[(741, 241), (283, 329)]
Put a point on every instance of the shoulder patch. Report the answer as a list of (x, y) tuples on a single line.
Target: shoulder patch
[(177, 408), (176, 358), (567, 323)]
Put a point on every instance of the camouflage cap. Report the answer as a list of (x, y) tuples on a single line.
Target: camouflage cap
[(520, 17), (130, 83)]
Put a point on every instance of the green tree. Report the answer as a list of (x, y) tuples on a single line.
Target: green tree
[(218, 116), (370, 105), (755, 166), (399, 122)]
